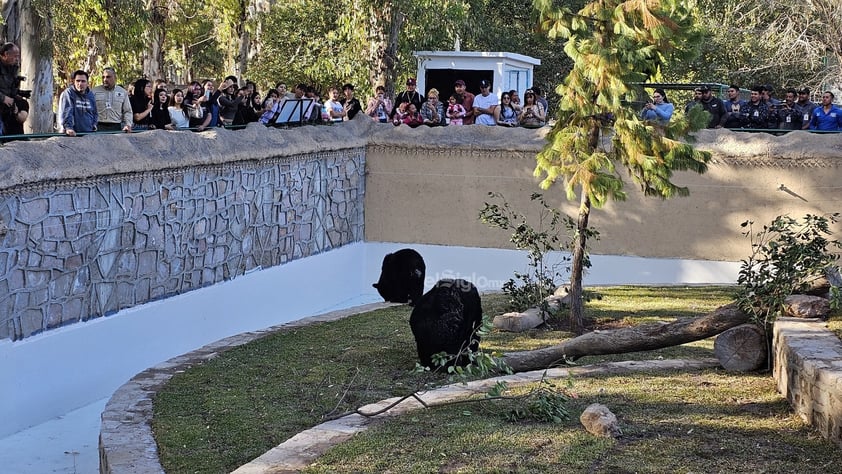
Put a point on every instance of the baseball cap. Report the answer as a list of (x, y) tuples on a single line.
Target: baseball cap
[(484, 83), (702, 89), (410, 81), (459, 82)]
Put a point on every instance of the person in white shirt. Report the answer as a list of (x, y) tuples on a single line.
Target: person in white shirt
[(484, 105), (178, 110), (334, 108)]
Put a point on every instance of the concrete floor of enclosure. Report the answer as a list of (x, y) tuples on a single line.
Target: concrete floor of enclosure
[(62, 379)]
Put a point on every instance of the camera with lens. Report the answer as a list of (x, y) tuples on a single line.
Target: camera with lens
[(26, 94)]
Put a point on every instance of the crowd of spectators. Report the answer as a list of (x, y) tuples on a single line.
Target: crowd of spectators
[(762, 110), (146, 105)]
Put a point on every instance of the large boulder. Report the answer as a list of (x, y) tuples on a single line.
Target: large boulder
[(445, 320), (402, 277)]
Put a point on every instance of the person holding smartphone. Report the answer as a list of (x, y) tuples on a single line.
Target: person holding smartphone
[(197, 100)]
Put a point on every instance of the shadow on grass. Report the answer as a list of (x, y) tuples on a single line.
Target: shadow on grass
[(227, 411), (675, 422)]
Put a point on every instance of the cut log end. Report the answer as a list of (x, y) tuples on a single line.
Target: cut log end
[(741, 349)]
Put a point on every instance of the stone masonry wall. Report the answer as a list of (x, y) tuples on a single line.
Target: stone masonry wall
[(76, 249), (808, 372)]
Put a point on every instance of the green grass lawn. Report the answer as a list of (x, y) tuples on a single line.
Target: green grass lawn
[(227, 411)]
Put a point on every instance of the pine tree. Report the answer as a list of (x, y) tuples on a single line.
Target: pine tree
[(615, 44)]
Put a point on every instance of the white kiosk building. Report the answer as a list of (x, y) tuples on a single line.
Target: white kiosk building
[(506, 71)]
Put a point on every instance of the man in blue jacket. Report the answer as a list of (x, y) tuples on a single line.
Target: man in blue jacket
[(77, 106), (827, 117)]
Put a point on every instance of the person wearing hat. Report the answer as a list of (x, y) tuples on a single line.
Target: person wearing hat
[(467, 101), (805, 107), (485, 104), (410, 96)]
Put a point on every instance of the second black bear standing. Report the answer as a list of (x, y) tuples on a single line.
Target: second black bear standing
[(446, 319), (402, 277)]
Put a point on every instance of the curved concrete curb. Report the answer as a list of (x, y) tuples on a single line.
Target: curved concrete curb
[(126, 444), (302, 449)]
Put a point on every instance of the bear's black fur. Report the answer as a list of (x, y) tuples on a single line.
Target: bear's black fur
[(445, 320), (402, 277)]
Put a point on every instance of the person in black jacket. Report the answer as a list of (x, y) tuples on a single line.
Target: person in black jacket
[(410, 96)]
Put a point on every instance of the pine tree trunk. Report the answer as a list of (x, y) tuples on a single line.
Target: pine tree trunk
[(577, 310), (645, 337)]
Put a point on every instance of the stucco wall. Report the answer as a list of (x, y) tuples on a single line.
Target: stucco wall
[(432, 191)]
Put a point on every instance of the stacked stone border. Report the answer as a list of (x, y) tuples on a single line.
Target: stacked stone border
[(126, 442), (808, 372)]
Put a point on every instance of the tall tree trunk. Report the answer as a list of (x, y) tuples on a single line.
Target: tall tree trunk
[(153, 56), (384, 32), (577, 310), (34, 34), (580, 244), (243, 52)]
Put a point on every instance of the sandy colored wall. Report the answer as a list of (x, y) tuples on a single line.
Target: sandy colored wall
[(429, 193)]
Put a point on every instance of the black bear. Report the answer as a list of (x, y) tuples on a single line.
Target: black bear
[(402, 277), (446, 319)]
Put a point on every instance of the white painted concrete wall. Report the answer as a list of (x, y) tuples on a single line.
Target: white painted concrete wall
[(49, 375)]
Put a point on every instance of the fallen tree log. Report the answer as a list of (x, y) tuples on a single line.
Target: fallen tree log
[(741, 348), (645, 337)]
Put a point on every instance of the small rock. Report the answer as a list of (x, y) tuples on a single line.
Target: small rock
[(805, 306), (599, 421)]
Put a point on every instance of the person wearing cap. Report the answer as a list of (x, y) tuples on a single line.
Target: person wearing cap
[(733, 106), (805, 107), (410, 96), (467, 101), (485, 104), (827, 117), (350, 104), (714, 106)]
